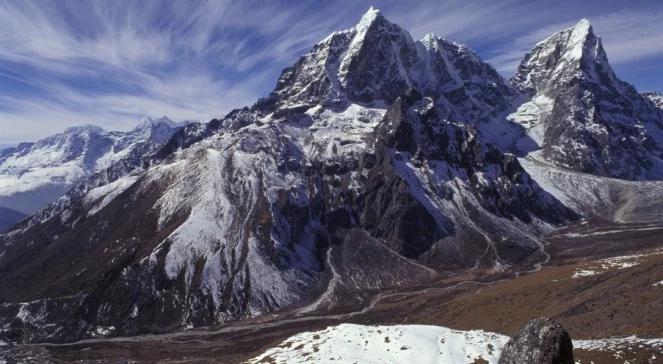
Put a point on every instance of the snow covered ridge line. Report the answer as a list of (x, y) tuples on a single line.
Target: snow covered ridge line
[(334, 73), (32, 175)]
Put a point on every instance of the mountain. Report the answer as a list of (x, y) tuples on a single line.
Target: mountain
[(374, 62), (580, 116), (9, 218), (357, 173), (34, 174)]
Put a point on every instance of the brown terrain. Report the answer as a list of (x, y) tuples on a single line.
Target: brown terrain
[(591, 293)]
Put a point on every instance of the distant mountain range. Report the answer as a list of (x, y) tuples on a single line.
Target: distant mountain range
[(378, 161), (33, 175)]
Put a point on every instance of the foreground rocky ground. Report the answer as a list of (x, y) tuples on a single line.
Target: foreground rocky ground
[(616, 292)]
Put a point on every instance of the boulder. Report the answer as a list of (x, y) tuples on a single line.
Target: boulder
[(540, 341)]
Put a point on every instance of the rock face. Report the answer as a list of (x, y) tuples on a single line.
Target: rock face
[(655, 97), (32, 175), (374, 62), (540, 341), (581, 116)]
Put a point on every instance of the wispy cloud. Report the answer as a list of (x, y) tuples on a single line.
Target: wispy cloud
[(69, 62)]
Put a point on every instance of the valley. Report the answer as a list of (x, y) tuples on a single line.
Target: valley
[(608, 303)]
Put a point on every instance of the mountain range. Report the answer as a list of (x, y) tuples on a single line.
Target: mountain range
[(32, 175), (377, 162)]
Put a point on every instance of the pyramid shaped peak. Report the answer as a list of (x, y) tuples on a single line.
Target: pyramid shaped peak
[(429, 37), (581, 31), (574, 51), (370, 16), (583, 25), (577, 33), (580, 36), (147, 123)]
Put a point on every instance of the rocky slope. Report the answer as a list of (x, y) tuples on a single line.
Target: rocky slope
[(655, 97), (374, 62), (580, 116), (274, 205), (33, 175)]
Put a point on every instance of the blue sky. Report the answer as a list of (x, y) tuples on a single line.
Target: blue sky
[(64, 63)]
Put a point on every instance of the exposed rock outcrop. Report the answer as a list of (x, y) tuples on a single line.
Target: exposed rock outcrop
[(540, 341)]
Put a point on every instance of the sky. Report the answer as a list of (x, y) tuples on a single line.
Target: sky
[(111, 63)]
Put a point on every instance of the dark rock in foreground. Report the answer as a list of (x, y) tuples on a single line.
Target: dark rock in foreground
[(540, 341)]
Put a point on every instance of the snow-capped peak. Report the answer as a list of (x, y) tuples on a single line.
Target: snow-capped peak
[(158, 130), (585, 118), (147, 123), (370, 16), (430, 40), (375, 61), (35, 174), (580, 34), (372, 22), (569, 53), (583, 25), (579, 30), (84, 128)]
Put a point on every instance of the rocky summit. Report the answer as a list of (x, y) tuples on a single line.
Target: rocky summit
[(580, 115)]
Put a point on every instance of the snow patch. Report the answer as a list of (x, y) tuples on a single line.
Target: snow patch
[(612, 344), (341, 134), (103, 330), (103, 195), (531, 116), (609, 264), (349, 343)]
